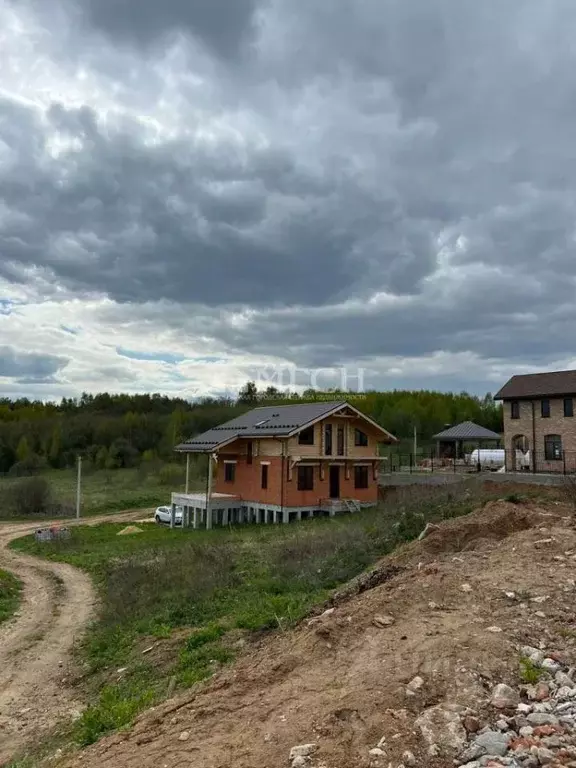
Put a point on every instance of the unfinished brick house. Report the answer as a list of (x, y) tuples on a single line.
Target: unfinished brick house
[(280, 463), (539, 421)]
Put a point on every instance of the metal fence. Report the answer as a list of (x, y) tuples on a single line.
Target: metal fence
[(496, 460)]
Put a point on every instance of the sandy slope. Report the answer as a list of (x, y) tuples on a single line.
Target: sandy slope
[(58, 601)]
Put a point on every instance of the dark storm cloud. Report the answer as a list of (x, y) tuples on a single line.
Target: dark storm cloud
[(422, 148), (29, 366)]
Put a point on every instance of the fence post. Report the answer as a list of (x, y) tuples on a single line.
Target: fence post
[(564, 460), (432, 461), (411, 461)]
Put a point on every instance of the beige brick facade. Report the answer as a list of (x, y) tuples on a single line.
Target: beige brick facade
[(535, 428)]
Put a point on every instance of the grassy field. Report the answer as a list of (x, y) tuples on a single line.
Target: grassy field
[(10, 588), (192, 599), (103, 491)]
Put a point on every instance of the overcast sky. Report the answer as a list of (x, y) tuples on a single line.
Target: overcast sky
[(197, 192)]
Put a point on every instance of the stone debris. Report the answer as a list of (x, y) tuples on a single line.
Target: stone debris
[(383, 621), (414, 686), (300, 755), (534, 725)]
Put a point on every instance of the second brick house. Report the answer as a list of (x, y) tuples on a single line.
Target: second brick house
[(539, 421)]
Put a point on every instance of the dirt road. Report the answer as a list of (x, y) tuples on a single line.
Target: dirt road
[(58, 601)]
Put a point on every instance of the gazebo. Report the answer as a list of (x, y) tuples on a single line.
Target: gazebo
[(451, 441)]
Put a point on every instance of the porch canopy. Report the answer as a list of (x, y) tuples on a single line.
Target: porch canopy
[(451, 441)]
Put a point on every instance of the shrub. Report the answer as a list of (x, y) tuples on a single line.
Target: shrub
[(171, 475), (32, 496), (31, 465)]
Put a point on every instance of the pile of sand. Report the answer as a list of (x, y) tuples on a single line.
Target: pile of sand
[(130, 529)]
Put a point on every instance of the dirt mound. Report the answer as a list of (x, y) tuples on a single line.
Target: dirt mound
[(340, 680), (495, 521), (129, 530)]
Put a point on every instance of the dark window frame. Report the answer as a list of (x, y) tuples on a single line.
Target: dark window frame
[(360, 438), (545, 408), (553, 449), (249, 452), (340, 441), (229, 472), (515, 409), (305, 477), (306, 437), (568, 407), (264, 477), (328, 446), (361, 478)]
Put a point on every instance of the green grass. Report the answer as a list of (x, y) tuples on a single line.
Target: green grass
[(194, 596), (10, 589), (530, 673), (103, 491)]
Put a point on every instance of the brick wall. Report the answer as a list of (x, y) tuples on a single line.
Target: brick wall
[(248, 484), (556, 424)]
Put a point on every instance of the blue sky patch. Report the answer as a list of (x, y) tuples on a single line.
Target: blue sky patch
[(157, 357)]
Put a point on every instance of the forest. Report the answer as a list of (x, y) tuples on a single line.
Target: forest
[(114, 431)]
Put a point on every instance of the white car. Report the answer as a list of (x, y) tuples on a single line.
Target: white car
[(163, 514)]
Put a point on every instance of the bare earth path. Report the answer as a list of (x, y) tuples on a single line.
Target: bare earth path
[(58, 601)]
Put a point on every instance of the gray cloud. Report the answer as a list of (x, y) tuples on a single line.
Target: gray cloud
[(417, 148), (28, 366)]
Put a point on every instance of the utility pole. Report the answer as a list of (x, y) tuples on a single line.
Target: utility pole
[(79, 488), (187, 473), (415, 441)]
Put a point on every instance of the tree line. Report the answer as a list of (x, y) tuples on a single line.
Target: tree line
[(112, 431)]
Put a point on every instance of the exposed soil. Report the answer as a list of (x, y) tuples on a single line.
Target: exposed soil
[(57, 603)]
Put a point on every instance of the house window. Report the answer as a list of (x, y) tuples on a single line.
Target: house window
[(360, 477), (545, 409), (229, 472), (568, 406), (328, 440), (305, 478), (360, 438), (249, 452), (306, 437), (552, 447), (264, 476), (515, 409), (340, 441)]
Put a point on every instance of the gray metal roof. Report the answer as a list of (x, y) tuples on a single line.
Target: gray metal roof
[(269, 420), (467, 431)]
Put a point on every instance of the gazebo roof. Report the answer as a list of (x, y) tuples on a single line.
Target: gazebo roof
[(467, 431)]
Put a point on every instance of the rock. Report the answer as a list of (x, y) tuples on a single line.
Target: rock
[(442, 728), (502, 725), (377, 752), (526, 731), (503, 697), (542, 692), (415, 684), (409, 759), (472, 752), (545, 755), (550, 665), (563, 680), (383, 621), (524, 708), (303, 750), (300, 762), (184, 736), (494, 629), (542, 718), (472, 724), (466, 588), (494, 742)]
